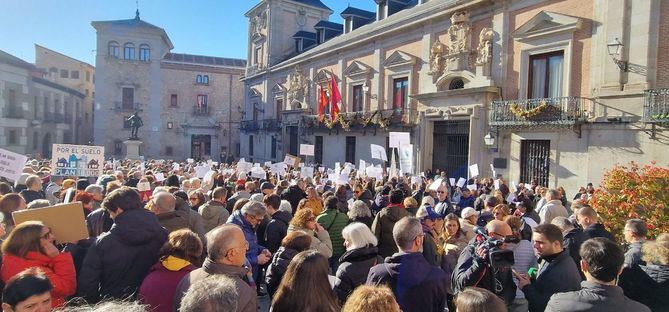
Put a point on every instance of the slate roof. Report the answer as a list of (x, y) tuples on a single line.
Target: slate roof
[(204, 60), (9, 59), (329, 25), (314, 3), (358, 12), (305, 35)]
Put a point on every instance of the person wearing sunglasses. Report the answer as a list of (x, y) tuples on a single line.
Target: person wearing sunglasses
[(31, 244)]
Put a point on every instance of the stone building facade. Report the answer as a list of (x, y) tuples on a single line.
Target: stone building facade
[(190, 104), (35, 111), (528, 86)]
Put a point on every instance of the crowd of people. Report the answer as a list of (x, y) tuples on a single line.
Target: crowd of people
[(228, 240)]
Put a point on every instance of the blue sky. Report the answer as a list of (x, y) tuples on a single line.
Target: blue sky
[(207, 27)]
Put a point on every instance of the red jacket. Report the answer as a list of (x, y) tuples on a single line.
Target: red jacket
[(59, 270), (160, 285)]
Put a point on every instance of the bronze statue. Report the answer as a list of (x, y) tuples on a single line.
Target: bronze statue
[(135, 123)]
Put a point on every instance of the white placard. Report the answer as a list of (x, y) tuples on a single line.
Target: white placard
[(452, 181), (472, 187), (256, 165), (160, 177), (257, 172), (473, 171), (406, 159), (77, 160), (244, 167), (435, 185), (176, 166), (201, 171), (307, 149), (350, 203), (307, 172), (143, 186), (496, 183), (398, 139), (415, 180), (321, 169), (514, 188), (378, 152), (190, 160), (268, 163), (461, 182), (363, 165), (11, 164), (291, 160)]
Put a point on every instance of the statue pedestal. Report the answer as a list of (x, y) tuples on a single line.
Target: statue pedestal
[(132, 149)]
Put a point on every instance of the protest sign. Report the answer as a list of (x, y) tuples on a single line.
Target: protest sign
[(461, 182), (307, 172), (291, 160), (160, 177), (144, 189), (415, 180), (321, 169), (66, 221), (11, 164), (473, 171), (472, 187), (77, 160), (452, 180), (435, 185), (268, 163), (406, 159), (258, 173), (398, 139), (201, 171), (190, 160), (378, 152), (496, 183), (306, 149)]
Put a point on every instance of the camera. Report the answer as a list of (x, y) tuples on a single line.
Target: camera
[(497, 257)]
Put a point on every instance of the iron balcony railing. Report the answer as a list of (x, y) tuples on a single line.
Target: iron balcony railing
[(656, 106), (200, 110), (249, 125), (383, 118), (14, 114), (271, 125), (556, 111)]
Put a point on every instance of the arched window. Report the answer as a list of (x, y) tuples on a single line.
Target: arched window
[(456, 83), (113, 49), (144, 53), (129, 51), (205, 79), (198, 79)]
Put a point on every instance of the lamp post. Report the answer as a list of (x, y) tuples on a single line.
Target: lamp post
[(365, 88), (490, 141), (615, 48)]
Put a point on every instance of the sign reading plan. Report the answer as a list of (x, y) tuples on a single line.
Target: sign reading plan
[(78, 160)]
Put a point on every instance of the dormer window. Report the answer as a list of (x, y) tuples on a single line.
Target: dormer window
[(320, 36)]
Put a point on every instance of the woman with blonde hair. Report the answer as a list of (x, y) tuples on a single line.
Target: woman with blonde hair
[(500, 212), (305, 221), (371, 299), (31, 244), (314, 202), (649, 283)]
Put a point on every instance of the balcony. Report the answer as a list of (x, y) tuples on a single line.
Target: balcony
[(48, 117), (58, 118), (656, 106), (126, 107), (249, 126), (558, 111), (271, 125), (200, 110), (14, 114), (361, 120)]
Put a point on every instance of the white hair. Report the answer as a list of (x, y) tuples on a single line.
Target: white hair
[(358, 235), (159, 189), (359, 209), (286, 206), (427, 200)]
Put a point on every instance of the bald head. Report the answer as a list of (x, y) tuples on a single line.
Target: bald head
[(222, 238), (164, 202), (499, 227)]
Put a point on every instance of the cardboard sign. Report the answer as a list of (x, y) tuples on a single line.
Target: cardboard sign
[(11, 164), (291, 160), (435, 185), (143, 186), (473, 171), (398, 139), (307, 172), (77, 160), (306, 149), (66, 221), (378, 152)]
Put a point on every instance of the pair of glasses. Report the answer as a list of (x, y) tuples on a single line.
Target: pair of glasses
[(193, 198)]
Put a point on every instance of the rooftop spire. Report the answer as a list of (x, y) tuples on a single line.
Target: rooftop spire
[(137, 12)]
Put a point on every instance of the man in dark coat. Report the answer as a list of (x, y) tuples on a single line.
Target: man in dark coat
[(573, 239), (118, 260), (557, 272), (473, 268), (417, 285), (443, 205), (589, 220), (385, 221), (33, 189), (278, 226), (213, 212), (602, 263), (294, 194), (635, 234)]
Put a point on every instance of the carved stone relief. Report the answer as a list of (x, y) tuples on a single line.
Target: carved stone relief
[(437, 58), (298, 88), (258, 23), (459, 45), (484, 50)]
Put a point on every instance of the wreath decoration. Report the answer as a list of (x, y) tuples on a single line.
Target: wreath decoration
[(529, 113), (329, 123), (346, 125)]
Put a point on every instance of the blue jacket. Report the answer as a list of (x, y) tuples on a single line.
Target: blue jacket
[(250, 234)]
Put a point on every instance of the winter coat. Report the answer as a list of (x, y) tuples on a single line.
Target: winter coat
[(598, 230), (572, 244), (233, 199), (473, 271), (59, 270), (98, 222), (551, 210), (452, 249), (380, 202), (247, 300), (172, 221), (417, 285), (276, 230), (118, 260), (353, 269), (594, 297), (194, 219), (320, 241), (647, 284), (277, 268), (383, 228), (367, 198), (250, 234), (556, 276), (364, 220), (213, 214), (293, 194), (159, 287), (633, 255), (444, 208), (465, 202), (29, 195), (432, 252), (334, 222)]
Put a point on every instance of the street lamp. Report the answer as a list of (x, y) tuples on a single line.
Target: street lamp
[(615, 48), (489, 139), (365, 88)]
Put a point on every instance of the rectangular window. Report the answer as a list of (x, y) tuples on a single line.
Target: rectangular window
[(35, 108), (358, 99), (318, 149), (88, 76), (13, 139), (535, 161), (350, 149), (257, 55), (169, 150), (74, 74), (64, 73), (279, 108), (13, 110), (273, 150), (128, 98), (250, 145), (545, 75), (144, 54), (400, 93), (118, 148), (87, 92), (201, 105), (174, 100), (45, 109)]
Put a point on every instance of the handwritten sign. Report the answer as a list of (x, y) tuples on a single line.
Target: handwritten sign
[(78, 160), (306, 149), (378, 152), (291, 160), (398, 139), (11, 164)]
